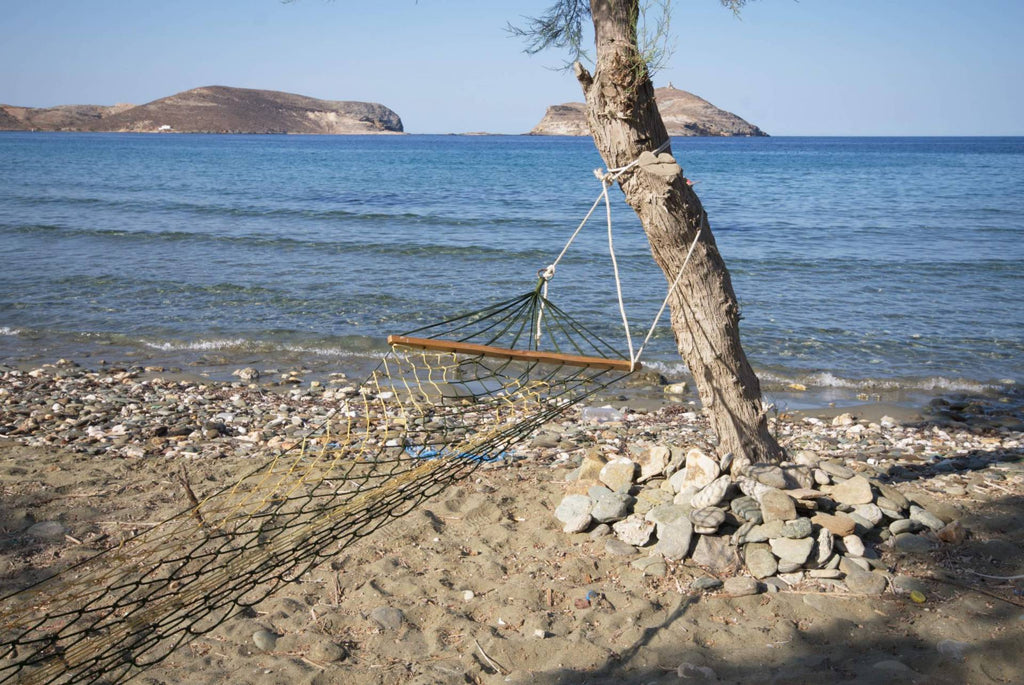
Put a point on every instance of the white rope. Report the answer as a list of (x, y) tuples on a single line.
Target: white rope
[(679, 275), (546, 274)]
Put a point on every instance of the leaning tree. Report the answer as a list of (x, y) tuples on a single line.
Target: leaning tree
[(624, 122)]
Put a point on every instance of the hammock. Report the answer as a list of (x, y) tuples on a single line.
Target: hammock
[(444, 400)]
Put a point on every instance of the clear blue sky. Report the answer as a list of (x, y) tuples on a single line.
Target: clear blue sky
[(814, 67)]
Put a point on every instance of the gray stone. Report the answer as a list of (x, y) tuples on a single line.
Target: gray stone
[(893, 495), (47, 530), (712, 493), (578, 524), (634, 530), (666, 513), (684, 496), (714, 552), (699, 674), (265, 640), (388, 618), (648, 498), (806, 458), (909, 584), (707, 520), (850, 564), (869, 512), (613, 506), (619, 548), (925, 517), (952, 649), (856, 490), (777, 506), (765, 531), (861, 522), (835, 469), (759, 560), (826, 573), (798, 477), (650, 566), (776, 584), (821, 478), (865, 583), (600, 531), (769, 474), (797, 528), (795, 551), (572, 507), (674, 539), (618, 474), (705, 583), (747, 508), (853, 545), (908, 543), (741, 586), (327, 651), (752, 488)]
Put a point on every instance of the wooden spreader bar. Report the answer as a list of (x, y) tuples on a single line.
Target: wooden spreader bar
[(518, 355)]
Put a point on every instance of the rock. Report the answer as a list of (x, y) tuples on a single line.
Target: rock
[(741, 586), (747, 508), (825, 546), (759, 560), (666, 513), (776, 584), (590, 468), (806, 458), (655, 462), (715, 553), (265, 640), (777, 506), (904, 526), (619, 548), (707, 520), (926, 518), (908, 543), (651, 566), (952, 650), (327, 651), (685, 495), (618, 474), (634, 530), (893, 495), (752, 488), (869, 512), (47, 530), (866, 583), (853, 545), (909, 584), (572, 507), (712, 493), (765, 531), (705, 583), (649, 498), (797, 528), (675, 389), (600, 531), (612, 506), (798, 477), (700, 469), (247, 374), (821, 478), (578, 524), (855, 490), (952, 533), (946, 512), (795, 551), (836, 469), (688, 671), (768, 474), (674, 539), (388, 618), (851, 564), (844, 420)]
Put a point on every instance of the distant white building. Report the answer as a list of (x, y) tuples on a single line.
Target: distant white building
[(165, 127)]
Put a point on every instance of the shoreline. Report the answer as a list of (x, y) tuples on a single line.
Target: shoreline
[(90, 458)]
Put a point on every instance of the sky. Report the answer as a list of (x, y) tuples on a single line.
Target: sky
[(813, 67)]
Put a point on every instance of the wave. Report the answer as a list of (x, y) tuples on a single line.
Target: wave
[(5, 330)]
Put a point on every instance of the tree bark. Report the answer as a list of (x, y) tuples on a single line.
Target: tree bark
[(624, 121)]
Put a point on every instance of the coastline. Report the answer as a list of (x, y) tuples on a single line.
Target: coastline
[(92, 456)]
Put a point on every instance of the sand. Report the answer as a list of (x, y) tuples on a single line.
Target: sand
[(480, 584)]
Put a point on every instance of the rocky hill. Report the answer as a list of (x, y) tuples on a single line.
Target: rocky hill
[(684, 114), (213, 109)]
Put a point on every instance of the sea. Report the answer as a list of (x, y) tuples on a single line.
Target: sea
[(866, 268)]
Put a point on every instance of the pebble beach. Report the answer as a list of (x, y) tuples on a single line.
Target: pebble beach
[(609, 548)]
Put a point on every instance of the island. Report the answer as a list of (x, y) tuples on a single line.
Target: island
[(684, 114), (212, 109)]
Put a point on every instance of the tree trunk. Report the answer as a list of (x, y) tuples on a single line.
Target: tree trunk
[(624, 121)]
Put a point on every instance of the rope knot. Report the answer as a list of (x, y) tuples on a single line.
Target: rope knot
[(547, 273)]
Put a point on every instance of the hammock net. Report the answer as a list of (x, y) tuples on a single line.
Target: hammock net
[(444, 400)]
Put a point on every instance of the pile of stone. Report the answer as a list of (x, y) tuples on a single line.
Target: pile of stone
[(810, 518)]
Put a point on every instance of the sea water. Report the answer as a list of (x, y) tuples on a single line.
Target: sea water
[(860, 263)]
